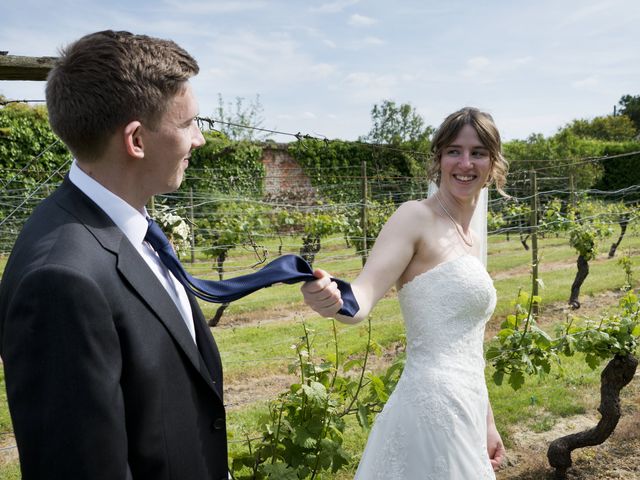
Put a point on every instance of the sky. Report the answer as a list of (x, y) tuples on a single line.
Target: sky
[(320, 66)]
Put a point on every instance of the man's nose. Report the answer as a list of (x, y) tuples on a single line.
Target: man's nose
[(198, 139)]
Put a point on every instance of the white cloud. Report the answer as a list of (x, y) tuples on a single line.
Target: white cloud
[(523, 60), (588, 82), (309, 115), (246, 62), (333, 7), (219, 7), (477, 66), (478, 63), (323, 70), (357, 20), (593, 11), (370, 87), (373, 41)]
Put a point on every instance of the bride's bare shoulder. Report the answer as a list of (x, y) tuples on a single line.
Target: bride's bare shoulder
[(420, 210)]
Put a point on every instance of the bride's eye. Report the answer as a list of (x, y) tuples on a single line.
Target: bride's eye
[(480, 153)]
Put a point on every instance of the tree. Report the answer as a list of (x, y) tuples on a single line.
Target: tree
[(610, 127), (630, 106), (239, 120), (395, 125), (561, 155)]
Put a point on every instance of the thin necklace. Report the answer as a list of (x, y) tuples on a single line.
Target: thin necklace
[(468, 243)]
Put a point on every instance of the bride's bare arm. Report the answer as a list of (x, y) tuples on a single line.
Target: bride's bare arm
[(393, 250)]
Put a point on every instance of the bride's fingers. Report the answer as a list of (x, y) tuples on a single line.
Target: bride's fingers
[(313, 287), (498, 456), (323, 296)]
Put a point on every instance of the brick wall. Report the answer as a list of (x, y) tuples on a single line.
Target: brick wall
[(284, 176)]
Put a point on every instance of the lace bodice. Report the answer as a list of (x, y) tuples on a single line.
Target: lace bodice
[(445, 310), (433, 426)]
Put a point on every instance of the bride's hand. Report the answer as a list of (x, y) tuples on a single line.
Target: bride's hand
[(495, 447), (322, 295)]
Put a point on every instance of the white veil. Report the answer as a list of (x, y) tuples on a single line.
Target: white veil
[(478, 221)]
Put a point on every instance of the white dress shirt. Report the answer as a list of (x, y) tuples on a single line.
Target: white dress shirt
[(134, 226)]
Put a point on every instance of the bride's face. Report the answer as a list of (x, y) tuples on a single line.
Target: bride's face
[(465, 165)]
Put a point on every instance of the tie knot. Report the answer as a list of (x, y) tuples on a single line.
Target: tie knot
[(156, 237)]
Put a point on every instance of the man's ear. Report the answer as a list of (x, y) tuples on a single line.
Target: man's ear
[(132, 136)]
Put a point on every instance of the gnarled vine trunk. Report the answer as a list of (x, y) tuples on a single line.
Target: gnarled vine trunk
[(310, 246), (623, 222), (583, 271), (213, 321), (615, 376)]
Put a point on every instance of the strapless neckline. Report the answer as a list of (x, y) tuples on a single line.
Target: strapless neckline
[(441, 266)]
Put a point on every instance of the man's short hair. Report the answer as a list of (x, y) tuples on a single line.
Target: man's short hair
[(107, 79)]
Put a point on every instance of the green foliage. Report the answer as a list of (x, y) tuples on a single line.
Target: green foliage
[(630, 106), (226, 166), (611, 127), (335, 168), (377, 215), (231, 225), (316, 224), (304, 432), (589, 222), (327, 164), (27, 135), (616, 334), (495, 221), (553, 219), (557, 157), (627, 266), (620, 172), (515, 216), (522, 348), (30, 154)]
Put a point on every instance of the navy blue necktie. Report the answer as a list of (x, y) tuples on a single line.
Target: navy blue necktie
[(285, 269)]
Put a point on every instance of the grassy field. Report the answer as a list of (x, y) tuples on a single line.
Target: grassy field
[(256, 333)]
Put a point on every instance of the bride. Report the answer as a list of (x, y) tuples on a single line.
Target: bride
[(438, 423)]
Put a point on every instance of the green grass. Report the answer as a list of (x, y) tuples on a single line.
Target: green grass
[(256, 334)]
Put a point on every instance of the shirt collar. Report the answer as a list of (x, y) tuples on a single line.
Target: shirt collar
[(132, 222)]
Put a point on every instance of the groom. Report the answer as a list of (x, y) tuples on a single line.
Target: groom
[(111, 372)]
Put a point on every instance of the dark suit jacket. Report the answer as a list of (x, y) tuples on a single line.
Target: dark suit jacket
[(103, 379)]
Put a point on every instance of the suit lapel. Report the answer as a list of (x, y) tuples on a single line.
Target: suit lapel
[(207, 346), (134, 269)]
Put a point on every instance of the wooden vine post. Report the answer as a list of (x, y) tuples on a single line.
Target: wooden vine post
[(363, 220), (534, 240)]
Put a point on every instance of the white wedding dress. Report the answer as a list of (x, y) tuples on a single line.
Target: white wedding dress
[(434, 425)]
